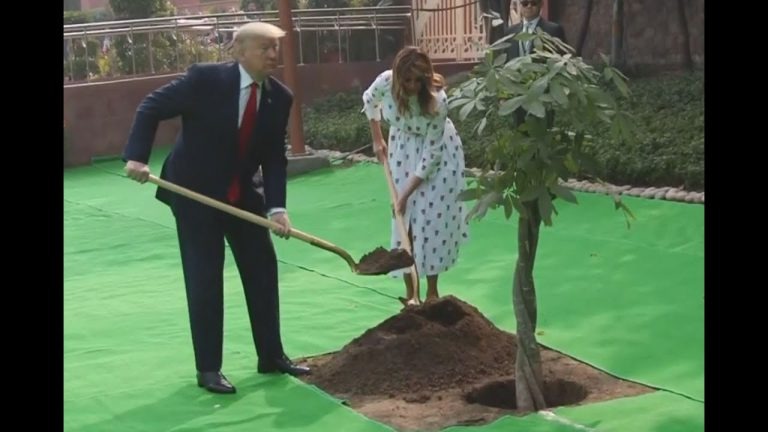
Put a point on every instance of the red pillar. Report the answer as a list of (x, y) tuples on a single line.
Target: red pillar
[(295, 128)]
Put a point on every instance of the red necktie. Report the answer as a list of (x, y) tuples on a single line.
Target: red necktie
[(246, 127)]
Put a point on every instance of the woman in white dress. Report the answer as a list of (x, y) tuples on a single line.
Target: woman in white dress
[(426, 158)]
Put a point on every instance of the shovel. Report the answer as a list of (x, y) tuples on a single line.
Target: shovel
[(379, 261), (405, 238)]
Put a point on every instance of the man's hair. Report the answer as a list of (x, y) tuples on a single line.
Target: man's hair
[(258, 29)]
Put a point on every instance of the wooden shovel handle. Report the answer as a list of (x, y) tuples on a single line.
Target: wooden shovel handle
[(406, 239), (254, 218)]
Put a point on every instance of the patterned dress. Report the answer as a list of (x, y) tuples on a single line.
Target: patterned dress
[(429, 148)]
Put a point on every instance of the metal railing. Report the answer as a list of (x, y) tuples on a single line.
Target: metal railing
[(119, 49), (451, 30)]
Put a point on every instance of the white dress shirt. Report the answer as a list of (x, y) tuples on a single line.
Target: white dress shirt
[(528, 27), (245, 92)]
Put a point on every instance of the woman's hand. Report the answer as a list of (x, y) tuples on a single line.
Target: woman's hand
[(380, 148)]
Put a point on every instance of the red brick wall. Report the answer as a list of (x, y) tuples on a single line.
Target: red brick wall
[(98, 115), (652, 36)]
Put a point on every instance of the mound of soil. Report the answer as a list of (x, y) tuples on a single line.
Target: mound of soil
[(442, 345), (445, 364)]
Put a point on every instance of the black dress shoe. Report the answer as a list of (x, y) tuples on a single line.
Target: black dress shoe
[(214, 382), (282, 365)]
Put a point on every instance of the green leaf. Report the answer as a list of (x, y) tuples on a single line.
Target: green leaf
[(556, 90), (537, 127), (538, 87), (580, 94), (564, 193), (560, 169), (490, 81), (536, 108), (570, 164), (608, 74), (483, 122), (533, 193), (545, 209), (602, 115), (489, 200), (500, 59), (621, 85), (546, 98), (523, 36), (509, 85), (601, 97), (526, 157), (510, 105), (518, 205), (458, 102), (503, 42), (628, 215), (469, 194), (508, 208), (619, 73), (465, 110)]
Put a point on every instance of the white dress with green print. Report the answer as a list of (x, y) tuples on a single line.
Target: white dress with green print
[(430, 148)]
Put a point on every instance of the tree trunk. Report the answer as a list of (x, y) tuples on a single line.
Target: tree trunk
[(584, 28), (528, 374), (686, 42), (617, 34)]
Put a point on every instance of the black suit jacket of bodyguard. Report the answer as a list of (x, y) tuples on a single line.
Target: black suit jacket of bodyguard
[(204, 158), (552, 28)]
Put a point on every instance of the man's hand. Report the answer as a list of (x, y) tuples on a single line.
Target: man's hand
[(137, 171), (285, 224)]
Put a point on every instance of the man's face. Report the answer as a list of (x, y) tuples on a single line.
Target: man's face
[(251, 7), (259, 55), (530, 9)]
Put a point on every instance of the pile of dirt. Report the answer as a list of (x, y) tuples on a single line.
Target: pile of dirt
[(442, 345)]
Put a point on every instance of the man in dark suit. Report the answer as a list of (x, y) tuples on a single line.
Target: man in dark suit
[(234, 118), (532, 19), (531, 13)]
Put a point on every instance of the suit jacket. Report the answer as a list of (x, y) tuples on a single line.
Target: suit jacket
[(204, 158), (552, 28)]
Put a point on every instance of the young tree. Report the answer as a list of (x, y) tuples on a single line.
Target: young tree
[(531, 155)]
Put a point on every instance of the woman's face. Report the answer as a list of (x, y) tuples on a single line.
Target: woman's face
[(412, 81)]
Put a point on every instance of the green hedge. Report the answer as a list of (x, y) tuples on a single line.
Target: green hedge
[(337, 123), (669, 114)]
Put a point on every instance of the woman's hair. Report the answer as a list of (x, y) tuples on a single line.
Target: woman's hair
[(412, 61)]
